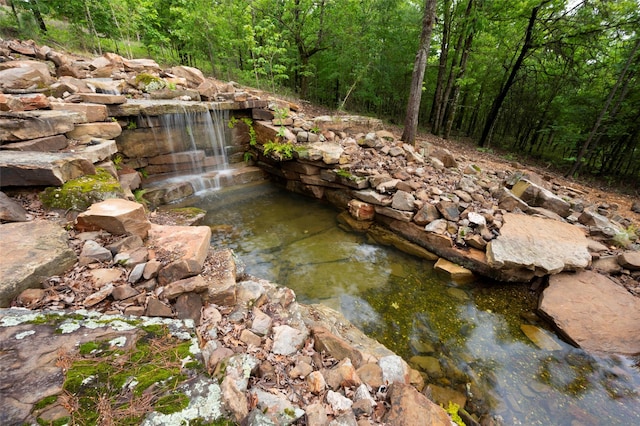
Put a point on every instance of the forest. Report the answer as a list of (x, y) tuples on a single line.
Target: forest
[(556, 81)]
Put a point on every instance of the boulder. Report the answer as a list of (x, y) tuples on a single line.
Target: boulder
[(537, 196), (103, 130), (116, 216), (10, 210), (193, 76), (540, 245), (38, 250), (23, 75), (410, 408), (26, 125), (45, 144), (93, 112), (191, 243), (593, 312), (41, 169)]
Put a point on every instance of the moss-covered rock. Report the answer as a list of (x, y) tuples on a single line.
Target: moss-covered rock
[(79, 194)]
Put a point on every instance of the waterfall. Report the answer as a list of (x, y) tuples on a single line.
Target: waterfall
[(196, 142)]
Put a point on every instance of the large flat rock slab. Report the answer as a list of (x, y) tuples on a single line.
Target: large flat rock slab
[(26, 125), (537, 244), (593, 312), (31, 252), (24, 168)]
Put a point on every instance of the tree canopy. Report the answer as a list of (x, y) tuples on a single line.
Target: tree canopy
[(554, 79)]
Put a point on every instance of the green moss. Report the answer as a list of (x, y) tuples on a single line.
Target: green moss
[(452, 411), (149, 83), (120, 377), (172, 403), (80, 193), (45, 402)]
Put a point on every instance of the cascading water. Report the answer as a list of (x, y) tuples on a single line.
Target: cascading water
[(196, 140)]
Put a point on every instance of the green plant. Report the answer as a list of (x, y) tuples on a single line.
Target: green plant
[(344, 174), (139, 196), (249, 157), (484, 149), (132, 125), (143, 172), (281, 113), (253, 137), (117, 161), (625, 237), (282, 150), (315, 129), (452, 410)]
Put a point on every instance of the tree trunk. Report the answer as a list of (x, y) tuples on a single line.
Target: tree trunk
[(38, 16), (413, 106), (442, 65), (592, 135), (497, 103)]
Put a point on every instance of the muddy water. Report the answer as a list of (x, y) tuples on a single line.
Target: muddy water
[(466, 338)]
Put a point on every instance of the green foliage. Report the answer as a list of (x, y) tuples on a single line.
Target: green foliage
[(452, 411), (280, 150), (253, 137), (80, 193)]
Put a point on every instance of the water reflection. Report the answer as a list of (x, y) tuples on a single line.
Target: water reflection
[(465, 338)]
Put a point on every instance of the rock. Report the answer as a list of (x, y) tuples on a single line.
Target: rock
[(361, 210), (342, 376), (403, 201), (103, 98), (373, 197), (394, 369), (542, 246), (404, 216), (277, 407), (250, 338), (10, 210), (86, 131), (335, 346), (44, 144), (125, 244), (316, 383), (287, 340), (104, 276), (301, 370), (222, 284), (593, 312), (261, 324), (537, 196), (630, 260), (123, 292), (316, 415), (428, 364), (30, 77), (27, 125), (443, 396), (427, 214), (117, 217), (92, 112), (41, 169), (39, 250), (93, 252), (156, 308), (234, 400), (193, 76), (540, 337), (192, 244), (455, 273), (330, 151), (409, 407), (371, 374), (445, 156), (339, 403), (98, 296), (31, 296), (174, 289), (449, 210)]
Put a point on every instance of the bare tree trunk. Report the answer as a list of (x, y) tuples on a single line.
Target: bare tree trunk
[(592, 135), (442, 65), (497, 103), (415, 95)]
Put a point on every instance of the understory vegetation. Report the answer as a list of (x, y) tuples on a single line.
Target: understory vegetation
[(552, 80)]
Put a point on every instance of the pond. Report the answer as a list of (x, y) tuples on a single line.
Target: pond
[(467, 338)]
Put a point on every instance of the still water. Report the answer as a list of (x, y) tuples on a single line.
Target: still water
[(467, 338)]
